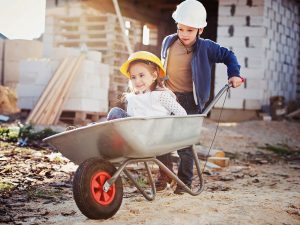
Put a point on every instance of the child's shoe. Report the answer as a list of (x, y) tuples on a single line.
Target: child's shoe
[(180, 190)]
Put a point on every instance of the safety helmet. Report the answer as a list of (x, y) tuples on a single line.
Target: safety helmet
[(142, 55), (190, 13)]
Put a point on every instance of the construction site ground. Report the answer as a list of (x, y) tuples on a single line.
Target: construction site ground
[(261, 185)]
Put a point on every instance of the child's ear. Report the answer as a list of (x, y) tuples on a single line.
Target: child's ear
[(155, 75), (200, 31)]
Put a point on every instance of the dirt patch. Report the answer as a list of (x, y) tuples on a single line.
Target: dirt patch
[(261, 185)]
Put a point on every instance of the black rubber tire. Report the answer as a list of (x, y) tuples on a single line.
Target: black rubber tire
[(82, 189)]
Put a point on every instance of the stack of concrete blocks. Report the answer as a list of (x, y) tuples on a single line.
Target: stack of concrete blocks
[(88, 92), (1, 60), (264, 35), (79, 26), (241, 29), (14, 52), (281, 49)]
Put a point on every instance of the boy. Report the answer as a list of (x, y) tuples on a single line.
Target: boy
[(188, 59)]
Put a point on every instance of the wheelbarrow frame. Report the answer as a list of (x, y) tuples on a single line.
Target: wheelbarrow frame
[(150, 197)]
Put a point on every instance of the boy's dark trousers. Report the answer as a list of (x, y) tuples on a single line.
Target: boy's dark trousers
[(185, 169)]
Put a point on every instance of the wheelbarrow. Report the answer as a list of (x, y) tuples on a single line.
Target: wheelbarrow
[(103, 150)]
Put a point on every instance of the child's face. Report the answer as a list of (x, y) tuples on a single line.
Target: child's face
[(141, 78), (187, 34)]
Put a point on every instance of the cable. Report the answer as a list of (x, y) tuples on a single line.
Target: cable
[(215, 132)]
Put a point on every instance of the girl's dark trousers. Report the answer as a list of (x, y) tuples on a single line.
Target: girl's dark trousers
[(185, 169)]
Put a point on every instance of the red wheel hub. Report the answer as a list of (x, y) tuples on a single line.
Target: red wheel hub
[(100, 196)]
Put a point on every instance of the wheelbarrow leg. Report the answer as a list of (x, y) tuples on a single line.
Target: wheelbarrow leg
[(179, 182), (121, 168), (149, 197)]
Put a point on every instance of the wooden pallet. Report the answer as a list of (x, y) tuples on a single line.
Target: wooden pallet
[(81, 118)]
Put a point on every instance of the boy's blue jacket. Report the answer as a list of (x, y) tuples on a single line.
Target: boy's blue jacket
[(205, 54)]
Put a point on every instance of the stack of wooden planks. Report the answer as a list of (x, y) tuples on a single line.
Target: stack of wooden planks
[(49, 106)]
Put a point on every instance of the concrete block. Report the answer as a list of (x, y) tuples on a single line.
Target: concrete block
[(247, 10), (224, 10), (227, 2), (256, 20), (27, 102), (35, 71), (94, 56), (63, 52), (230, 103), (232, 20), (254, 31), (88, 105), (30, 90), (253, 104), (232, 41), (256, 83), (255, 73), (11, 71), (1, 49), (22, 49), (246, 93), (247, 52), (254, 2)]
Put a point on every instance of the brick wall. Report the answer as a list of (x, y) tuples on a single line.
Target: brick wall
[(240, 28), (281, 49)]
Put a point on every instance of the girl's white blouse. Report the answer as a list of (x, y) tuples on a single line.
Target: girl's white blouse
[(154, 103)]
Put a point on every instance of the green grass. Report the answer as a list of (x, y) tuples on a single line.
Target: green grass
[(279, 149), (6, 186)]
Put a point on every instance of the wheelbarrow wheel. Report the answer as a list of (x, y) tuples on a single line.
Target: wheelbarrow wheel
[(88, 191)]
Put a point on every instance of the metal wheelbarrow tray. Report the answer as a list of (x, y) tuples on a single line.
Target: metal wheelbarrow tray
[(103, 150)]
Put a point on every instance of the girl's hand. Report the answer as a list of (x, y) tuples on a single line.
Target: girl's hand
[(236, 81)]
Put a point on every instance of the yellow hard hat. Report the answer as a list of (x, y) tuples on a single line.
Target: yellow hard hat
[(142, 55)]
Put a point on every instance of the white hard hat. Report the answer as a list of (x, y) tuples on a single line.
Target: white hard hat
[(190, 13)]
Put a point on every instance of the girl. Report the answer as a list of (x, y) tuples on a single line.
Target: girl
[(148, 96)]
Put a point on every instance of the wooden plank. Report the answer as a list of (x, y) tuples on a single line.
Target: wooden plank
[(48, 88), (56, 94), (121, 21), (66, 90)]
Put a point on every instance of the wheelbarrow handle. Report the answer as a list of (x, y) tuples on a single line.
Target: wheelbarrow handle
[(218, 96)]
